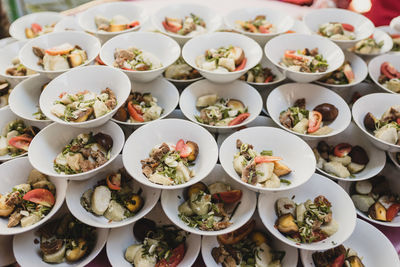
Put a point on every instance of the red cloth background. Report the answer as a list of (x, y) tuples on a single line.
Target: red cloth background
[(383, 11)]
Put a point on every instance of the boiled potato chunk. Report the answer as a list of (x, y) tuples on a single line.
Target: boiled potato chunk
[(101, 198)]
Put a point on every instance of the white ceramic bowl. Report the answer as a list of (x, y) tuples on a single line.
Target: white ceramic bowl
[(24, 98), (211, 18), (171, 199), (27, 252), (285, 95), (389, 31), (161, 46), (169, 131), (379, 36), (198, 46), (86, 41), (363, 27), (343, 210), (393, 158), (391, 174), (238, 90), (275, 49), (291, 255), (299, 27), (279, 77), (127, 9), (69, 23), (279, 19), (121, 238), (7, 41), (353, 136), (50, 142), (302, 163), (6, 254), (359, 68), (363, 236), (92, 78), (368, 103), (77, 188), (17, 28), (15, 172), (7, 54), (351, 93), (166, 93), (374, 68), (7, 116)]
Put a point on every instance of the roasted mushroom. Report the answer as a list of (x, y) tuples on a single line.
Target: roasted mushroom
[(329, 112), (121, 114), (104, 140), (84, 115), (236, 105), (78, 252), (142, 227), (194, 150), (359, 155), (370, 121), (286, 224), (196, 188), (377, 212)]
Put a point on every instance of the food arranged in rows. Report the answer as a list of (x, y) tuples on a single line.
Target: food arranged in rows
[(116, 24), (259, 24), (16, 138), (222, 59), (135, 59), (190, 25), (305, 60)]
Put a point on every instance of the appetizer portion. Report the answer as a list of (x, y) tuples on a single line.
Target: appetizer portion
[(160, 245), (116, 24), (84, 106), (113, 197), (17, 69), (209, 208), (259, 24), (390, 77), (246, 246), (343, 75), (368, 46), (216, 111), (5, 90), (36, 30), (169, 164), (387, 128), (259, 169), (140, 107), (64, 56), (305, 60), (84, 153), (258, 74), (342, 160), (337, 257), (135, 59), (375, 199), (189, 26), (66, 240), (16, 138), (300, 120), (396, 42), (30, 202), (180, 70), (337, 31), (223, 59), (307, 222)]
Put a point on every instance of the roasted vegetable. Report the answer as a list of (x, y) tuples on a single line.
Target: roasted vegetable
[(354, 261), (370, 121), (196, 188), (121, 114), (363, 203), (142, 227), (104, 140), (286, 224), (329, 112), (258, 238), (363, 187), (77, 252), (135, 204), (359, 155), (237, 235), (285, 206), (236, 105), (377, 212), (194, 150)]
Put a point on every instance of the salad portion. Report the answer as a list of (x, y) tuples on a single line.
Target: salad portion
[(17, 69), (29, 202), (390, 77), (259, 24), (258, 74), (216, 111), (189, 26), (368, 46), (307, 222), (337, 31), (259, 168), (84, 106), (342, 160), (375, 199), (134, 59), (16, 138), (338, 257), (209, 208), (180, 70), (140, 107), (116, 24), (36, 30), (246, 246), (64, 56), (5, 90), (84, 153), (300, 120), (396, 42), (170, 164), (343, 75), (113, 197), (222, 59), (160, 245), (305, 60), (66, 240)]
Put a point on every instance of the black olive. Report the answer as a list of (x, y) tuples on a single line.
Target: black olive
[(142, 227), (323, 147), (104, 140), (4, 87), (369, 121), (329, 112), (358, 155)]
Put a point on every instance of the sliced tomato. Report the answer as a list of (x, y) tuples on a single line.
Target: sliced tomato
[(241, 65), (371, 36), (114, 182), (62, 94), (228, 197), (398, 121), (266, 159), (290, 31), (251, 27), (21, 142), (60, 50), (392, 211), (292, 55), (133, 24), (239, 119), (264, 29), (127, 69), (268, 79), (395, 36), (40, 196), (348, 27), (134, 113), (314, 121), (176, 257), (339, 261), (99, 61), (170, 27), (342, 150), (36, 28), (179, 146), (389, 70), (185, 151)]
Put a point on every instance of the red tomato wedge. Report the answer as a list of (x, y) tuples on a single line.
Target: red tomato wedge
[(179, 146), (40, 196), (389, 70), (348, 27), (185, 151), (241, 65), (266, 159), (127, 69), (239, 119), (339, 261), (292, 54), (228, 197), (264, 29), (114, 182), (342, 150), (133, 24), (134, 113), (176, 257), (171, 28), (36, 27), (268, 79), (290, 31), (392, 212), (395, 36), (21, 142), (398, 121), (314, 121), (98, 60), (60, 50)]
